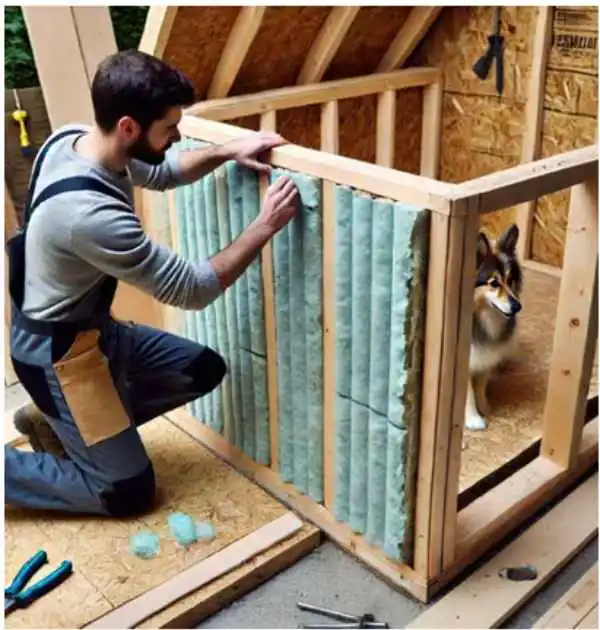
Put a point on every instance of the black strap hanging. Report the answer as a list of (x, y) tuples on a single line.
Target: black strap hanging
[(495, 52)]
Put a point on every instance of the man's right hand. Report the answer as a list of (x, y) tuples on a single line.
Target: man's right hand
[(279, 206)]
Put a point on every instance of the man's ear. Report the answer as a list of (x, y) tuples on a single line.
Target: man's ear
[(128, 128), (484, 249), (508, 241)]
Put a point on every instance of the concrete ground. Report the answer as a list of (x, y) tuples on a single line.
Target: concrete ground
[(332, 578)]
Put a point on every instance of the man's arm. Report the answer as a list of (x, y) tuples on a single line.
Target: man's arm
[(114, 241)]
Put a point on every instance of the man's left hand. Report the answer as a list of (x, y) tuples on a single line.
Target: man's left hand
[(248, 150)]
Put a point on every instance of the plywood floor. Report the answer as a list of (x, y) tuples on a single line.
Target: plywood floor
[(518, 391), (190, 479)]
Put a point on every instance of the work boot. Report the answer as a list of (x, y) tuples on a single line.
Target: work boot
[(31, 422)]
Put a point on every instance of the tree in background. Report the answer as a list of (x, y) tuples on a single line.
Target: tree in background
[(19, 64)]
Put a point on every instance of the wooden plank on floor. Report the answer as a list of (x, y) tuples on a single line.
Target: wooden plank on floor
[(486, 600), (572, 608)]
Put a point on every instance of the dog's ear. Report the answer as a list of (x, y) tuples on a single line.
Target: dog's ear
[(484, 249), (508, 241)]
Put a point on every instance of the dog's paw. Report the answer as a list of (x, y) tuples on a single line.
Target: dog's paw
[(475, 422)]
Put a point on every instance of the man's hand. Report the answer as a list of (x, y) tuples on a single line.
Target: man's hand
[(279, 206), (248, 150)]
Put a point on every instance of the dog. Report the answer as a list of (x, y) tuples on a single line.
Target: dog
[(497, 301)]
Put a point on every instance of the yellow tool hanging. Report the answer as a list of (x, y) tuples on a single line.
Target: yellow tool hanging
[(19, 115)]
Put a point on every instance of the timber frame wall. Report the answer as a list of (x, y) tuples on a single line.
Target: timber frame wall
[(447, 540)]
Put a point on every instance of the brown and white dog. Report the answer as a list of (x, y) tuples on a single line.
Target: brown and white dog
[(496, 305)]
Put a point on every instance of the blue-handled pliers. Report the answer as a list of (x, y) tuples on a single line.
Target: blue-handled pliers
[(16, 597)]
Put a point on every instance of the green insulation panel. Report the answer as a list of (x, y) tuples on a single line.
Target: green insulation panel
[(210, 214), (380, 275), (298, 274)]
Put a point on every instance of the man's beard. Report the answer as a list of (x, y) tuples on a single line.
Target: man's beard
[(141, 150)]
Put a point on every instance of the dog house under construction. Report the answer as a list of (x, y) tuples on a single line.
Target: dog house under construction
[(398, 169), (401, 155)]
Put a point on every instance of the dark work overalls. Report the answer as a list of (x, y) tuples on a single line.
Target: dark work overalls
[(96, 380)]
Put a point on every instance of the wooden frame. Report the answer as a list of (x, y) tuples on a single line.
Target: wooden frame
[(447, 540)]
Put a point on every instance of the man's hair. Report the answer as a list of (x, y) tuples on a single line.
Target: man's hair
[(133, 83)]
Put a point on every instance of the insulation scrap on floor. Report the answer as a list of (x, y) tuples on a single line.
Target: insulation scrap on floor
[(518, 391), (106, 574)]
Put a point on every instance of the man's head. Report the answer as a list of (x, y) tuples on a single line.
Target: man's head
[(138, 99)]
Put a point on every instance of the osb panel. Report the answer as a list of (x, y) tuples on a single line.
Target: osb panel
[(561, 133), (367, 40), (189, 479), (358, 128), (279, 49), (575, 41), (409, 122), (518, 392), (196, 42), (570, 117), (301, 125), (459, 37), (17, 168), (481, 135)]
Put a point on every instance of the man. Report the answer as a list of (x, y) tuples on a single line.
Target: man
[(94, 380)]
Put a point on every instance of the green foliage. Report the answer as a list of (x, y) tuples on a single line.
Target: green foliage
[(19, 64)]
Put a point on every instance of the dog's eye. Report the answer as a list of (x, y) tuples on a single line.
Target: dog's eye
[(494, 283)]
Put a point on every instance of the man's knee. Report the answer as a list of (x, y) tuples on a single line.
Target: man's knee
[(131, 497), (207, 371)]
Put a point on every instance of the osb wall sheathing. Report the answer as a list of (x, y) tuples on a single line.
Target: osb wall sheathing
[(482, 132), (189, 479), (17, 168)]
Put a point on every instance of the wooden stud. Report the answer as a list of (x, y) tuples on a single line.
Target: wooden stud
[(60, 64), (326, 45), (159, 22), (314, 94), (10, 227), (534, 265), (378, 180), (429, 471), (330, 143), (386, 127), (534, 119), (576, 330), (460, 383), (268, 122), (521, 183), (412, 32), (96, 36), (395, 574), (238, 43), (431, 131)]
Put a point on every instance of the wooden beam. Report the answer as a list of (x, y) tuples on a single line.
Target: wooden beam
[(234, 555), (10, 227), (330, 138), (378, 180), (238, 43), (395, 574), (96, 36), (486, 599), (268, 122), (412, 32), (326, 45), (431, 129), (575, 604), (576, 330), (314, 94), (159, 22), (521, 183), (60, 64), (460, 383), (534, 108), (386, 128)]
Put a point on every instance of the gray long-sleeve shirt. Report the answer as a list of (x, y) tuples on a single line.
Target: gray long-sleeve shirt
[(73, 243)]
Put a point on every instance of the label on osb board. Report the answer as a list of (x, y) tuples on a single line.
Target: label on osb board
[(575, 39)]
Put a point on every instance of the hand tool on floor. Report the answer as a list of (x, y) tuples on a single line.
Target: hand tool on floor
[(16, 597), (366, 620)]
